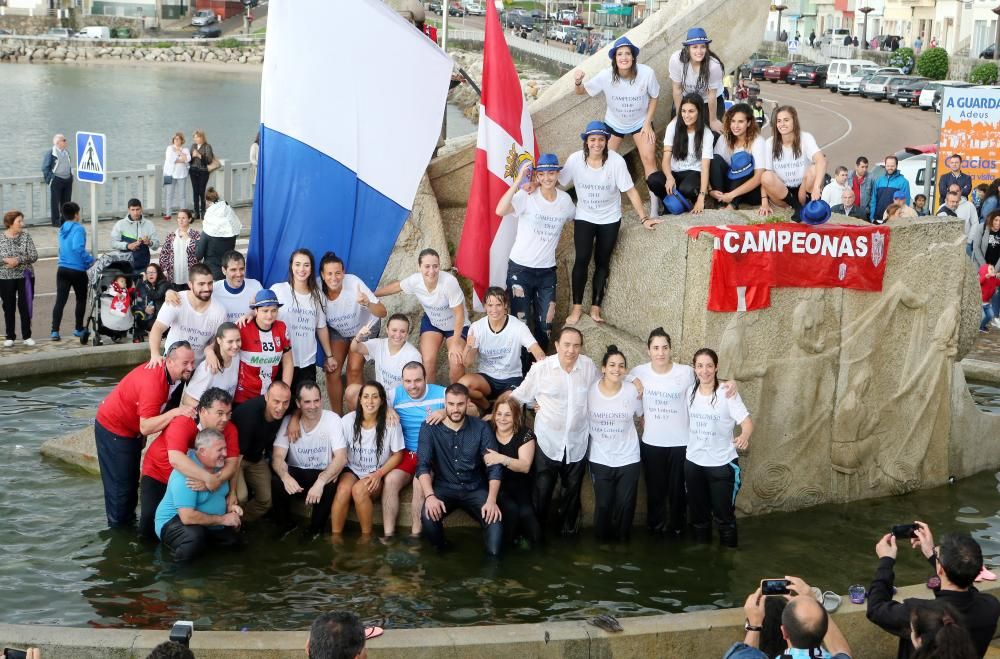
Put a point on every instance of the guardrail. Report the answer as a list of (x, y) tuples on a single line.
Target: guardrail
[(537, 48), (30, 194)]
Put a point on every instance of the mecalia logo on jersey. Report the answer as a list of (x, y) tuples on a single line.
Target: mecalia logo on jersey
[(796, 242)]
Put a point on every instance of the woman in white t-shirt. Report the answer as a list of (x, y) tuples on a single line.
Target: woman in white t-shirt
[(390, 355), (695, 69), (531, 270), (176, 162), (226, 347), (712, 469), (349, 306), (687, 155), (613, 405), (795, 165), (374, 448), (497, 340), (445, 321), (600, 176), (302, 313), (631, 92), (738, 164)]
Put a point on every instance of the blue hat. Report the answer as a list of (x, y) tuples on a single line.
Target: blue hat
[(740, 165), (815, 212), (265, 298), (623, 41), (696, 35), (899, 194), (676, 203), (548, 162), (595, 128)]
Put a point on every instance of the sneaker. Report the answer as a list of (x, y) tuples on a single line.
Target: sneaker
[(79, 333), (84, 335), (29, 342), (55, 336), (982, 331), (995, 322), (8, 343)]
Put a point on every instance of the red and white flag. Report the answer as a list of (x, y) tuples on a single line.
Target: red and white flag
[(506, 139)]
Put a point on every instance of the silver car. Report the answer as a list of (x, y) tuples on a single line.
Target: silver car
[(203, 17)]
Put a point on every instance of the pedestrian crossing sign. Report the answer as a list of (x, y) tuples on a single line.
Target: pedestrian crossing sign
[(90, 157)]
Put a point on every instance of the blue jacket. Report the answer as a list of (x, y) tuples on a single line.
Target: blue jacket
[(886, 182), (73, 252)]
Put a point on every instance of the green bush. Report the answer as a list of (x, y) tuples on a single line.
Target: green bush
[(902, 58), (229, 42), (984, 74), (933, 64), (163, 44)]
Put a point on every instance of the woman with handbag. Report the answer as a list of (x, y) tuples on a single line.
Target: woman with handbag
[(203, 163), (17, 278), (175, 173)]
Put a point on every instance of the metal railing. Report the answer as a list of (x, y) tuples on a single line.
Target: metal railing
[(537, 48), (30, 194)]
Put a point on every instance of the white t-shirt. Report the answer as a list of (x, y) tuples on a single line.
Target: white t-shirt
[(539, 225), (693, 161), (833, 193), (345, 314), (203, 379), (711, 428), (598, 191), (235, 304), (302, 315), (389, 368), (757, 150), (500, 352), (792, 170), (614, 441), (313, 449), (361, 456), (437, 305), (665, 403), (689, 82), (628, 100), (186, 324)]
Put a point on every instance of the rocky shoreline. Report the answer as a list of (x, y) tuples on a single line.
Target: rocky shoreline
[(21, 50), (533, 82)]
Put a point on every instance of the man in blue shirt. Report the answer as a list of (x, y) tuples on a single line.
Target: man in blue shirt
[(454, 476), (414, 401), (188, 520), (885, 187)]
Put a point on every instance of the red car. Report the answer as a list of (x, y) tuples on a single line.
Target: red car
[(778, 71)]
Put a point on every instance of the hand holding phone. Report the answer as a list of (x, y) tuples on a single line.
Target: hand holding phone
[(904, 531), (774, 587)]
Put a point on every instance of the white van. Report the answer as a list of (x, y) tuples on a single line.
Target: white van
[(840, 69), (94, 32), (834, 36)]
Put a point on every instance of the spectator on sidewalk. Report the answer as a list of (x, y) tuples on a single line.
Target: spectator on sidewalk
[(920, 205), (885, 187), (57, 170), (136, 234), (202, 157), (848, 207), (954, 176), (176, 164), (178, 252), (219, 232), (861, 183), (71, 272), (833, 192), (17, 276), (988, 284)]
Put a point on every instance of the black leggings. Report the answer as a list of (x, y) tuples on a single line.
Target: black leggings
[(67, 278), (718, 176), (16, 296), (584, 235), (199, 180), (688, 183), (519, 519)]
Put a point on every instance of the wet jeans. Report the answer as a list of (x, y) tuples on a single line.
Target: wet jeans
[(532, 293)]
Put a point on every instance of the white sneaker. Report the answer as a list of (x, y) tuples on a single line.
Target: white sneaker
[(29, 342), (8, 343), (995, 323)]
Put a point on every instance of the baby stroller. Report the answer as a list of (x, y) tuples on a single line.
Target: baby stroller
[(111, 315)]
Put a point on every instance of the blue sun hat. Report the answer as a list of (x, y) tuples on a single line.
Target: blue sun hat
[(595, 128), (676, 203), (265, 298), (696, 35), (548, 162), (740, 165), (623, 41), (815, 212)]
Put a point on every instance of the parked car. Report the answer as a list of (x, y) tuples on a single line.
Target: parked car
[(844, 68), (909, 94), (755, 68), (520, 22), (456, 9), (572, 33), (778, 71), (537, 14), (474, 9), (833, 36), (208, 32), (919, 170), (434, 7), (852, 84), (932, 94), (203, 17), (4, 32), (987, 53), (895, 82), (559, 32), (808, 75), (94, 32), (875, 88), (58, 33)]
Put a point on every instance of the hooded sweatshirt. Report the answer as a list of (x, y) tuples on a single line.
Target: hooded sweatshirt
[(221, 221), (73, 253)]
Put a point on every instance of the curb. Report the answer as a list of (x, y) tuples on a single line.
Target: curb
[(72, 359), (981, 371)]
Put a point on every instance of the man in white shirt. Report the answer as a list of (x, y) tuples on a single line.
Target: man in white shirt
[(236, 291), (833, 193), (195, 317), (559, 384)]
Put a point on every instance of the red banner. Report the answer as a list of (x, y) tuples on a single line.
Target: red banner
[(749, 259)]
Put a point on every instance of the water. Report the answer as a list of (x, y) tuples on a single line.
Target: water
[(59, 566), (138, 106)]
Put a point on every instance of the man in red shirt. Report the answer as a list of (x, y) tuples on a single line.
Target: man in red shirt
[(130, 413), (169, 451), (265, 352)]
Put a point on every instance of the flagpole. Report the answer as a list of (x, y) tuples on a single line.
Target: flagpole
[(444, 25)]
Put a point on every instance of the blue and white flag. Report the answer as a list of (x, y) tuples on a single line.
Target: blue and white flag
[(352, 99)]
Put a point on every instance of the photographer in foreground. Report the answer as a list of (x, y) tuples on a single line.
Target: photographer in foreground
[(805, 626), (957, 561)]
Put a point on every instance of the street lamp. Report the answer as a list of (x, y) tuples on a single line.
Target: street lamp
[(864, 31), (779, 9), (996, 40)]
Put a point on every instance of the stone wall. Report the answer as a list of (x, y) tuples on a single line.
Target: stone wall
[(28, 25), (34, 50)]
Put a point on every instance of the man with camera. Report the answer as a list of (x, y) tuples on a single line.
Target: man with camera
[(957, 561), (805, 625)]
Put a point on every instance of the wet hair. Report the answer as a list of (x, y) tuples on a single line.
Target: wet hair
[(427, 251), (336, 635), (329, 258), (801, 634), (939, 627), (610, 352), (212, 195), (175, 346), (199, 270), (230, 256), (10, 216), (219, 333), (498, 293), (171, 650), (313, 287), (398, 316), (715, 387), (604, 153), (778, 142), (658, 332), (302, 386), (70, 209), (457, 389), (961, 558), (410, 365), (772, 643), (679, 149), (565, 329), (207, 437), (214, 395), (515, 411), (701, 82), (633, 71), (860, 160), (752, 130), (380, 415)]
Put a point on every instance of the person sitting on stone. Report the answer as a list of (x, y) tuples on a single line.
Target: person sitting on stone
[(957, 562), (187, 521), (805, 625), (257, 422), (847, 206)]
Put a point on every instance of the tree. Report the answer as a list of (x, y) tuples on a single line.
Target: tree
[(933, 64)]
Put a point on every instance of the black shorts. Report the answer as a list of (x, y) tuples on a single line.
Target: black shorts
[(624, 135), (497, 387)]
